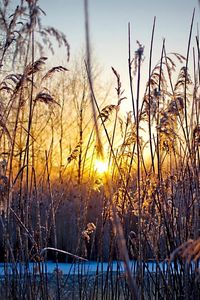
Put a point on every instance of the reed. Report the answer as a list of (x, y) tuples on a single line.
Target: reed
[(139, 215)]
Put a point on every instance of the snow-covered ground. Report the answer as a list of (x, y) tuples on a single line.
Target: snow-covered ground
[(82, 268)]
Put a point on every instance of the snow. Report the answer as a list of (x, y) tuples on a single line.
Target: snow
[(84, 268)]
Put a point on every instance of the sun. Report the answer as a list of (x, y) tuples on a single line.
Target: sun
[(101, 166)]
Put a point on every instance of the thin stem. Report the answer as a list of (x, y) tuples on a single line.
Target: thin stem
[(149, 104)]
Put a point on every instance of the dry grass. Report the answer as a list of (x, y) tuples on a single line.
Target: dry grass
[(53, 128)]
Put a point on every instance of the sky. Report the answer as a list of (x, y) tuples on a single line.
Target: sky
[(108, 28)]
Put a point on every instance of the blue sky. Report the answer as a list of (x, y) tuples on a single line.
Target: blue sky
[(108, 26), (109, 19)]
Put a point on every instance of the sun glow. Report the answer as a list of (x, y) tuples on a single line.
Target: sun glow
[(101, 166)]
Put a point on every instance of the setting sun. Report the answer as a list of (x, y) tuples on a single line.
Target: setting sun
[(101, 166), (99, 149)]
